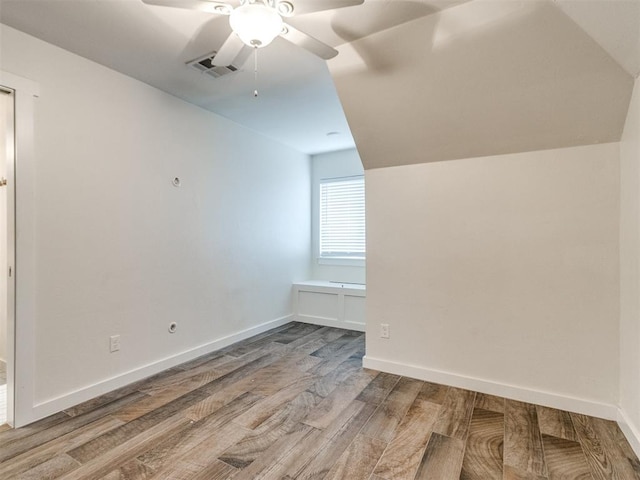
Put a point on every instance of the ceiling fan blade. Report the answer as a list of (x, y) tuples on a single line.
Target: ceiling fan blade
[(202, 5), (309, 43), (229, 50), (302, 7)]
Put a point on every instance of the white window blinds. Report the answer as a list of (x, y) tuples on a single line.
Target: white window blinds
[(342, 218)]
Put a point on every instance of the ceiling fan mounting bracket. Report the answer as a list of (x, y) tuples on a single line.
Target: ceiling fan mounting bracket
[(283, 7)]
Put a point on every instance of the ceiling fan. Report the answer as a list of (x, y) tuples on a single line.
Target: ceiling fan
[(255, 23)]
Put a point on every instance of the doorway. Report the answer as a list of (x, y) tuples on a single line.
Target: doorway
[(7, 149)]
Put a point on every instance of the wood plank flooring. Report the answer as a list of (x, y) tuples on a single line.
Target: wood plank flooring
[(295, 403)]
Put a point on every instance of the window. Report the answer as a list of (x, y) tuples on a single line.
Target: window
[(342, 219)]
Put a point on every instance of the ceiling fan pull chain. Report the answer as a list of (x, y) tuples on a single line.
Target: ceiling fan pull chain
[(255, 71)]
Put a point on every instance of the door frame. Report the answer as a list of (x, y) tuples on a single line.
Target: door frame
[(10, 253), (21, 351)]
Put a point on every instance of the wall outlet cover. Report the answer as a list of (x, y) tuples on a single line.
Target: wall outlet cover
[(384, 330), (114, 343)]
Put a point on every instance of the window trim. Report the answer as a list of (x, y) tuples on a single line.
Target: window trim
[(342, 261)]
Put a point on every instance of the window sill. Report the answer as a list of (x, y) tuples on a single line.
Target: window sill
[(345, 262)]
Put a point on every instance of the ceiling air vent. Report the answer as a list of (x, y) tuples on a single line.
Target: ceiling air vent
[(205, 65)]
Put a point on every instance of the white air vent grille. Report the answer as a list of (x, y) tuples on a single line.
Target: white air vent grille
[(205, 65)]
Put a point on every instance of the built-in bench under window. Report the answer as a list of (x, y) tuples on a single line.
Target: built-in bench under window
[(331, 304)]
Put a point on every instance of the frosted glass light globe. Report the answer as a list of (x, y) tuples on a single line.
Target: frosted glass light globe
[(256, 24)]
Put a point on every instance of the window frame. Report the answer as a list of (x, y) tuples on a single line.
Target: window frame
[(357, 259)]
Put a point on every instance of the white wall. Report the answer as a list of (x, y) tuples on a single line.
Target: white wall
[(500, 273), (630, 271), (120, 250), (343, 163)]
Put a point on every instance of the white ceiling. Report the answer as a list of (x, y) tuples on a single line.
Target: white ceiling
[(613, 24), (298, 104), (490, 77)]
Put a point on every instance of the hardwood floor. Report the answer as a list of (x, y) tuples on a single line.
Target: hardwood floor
[(295, 403)]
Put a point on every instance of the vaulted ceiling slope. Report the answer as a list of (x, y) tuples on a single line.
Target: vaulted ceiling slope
[(419, 80), (491, 77)]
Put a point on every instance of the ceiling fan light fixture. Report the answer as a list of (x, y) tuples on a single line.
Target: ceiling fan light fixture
[(256, 24)]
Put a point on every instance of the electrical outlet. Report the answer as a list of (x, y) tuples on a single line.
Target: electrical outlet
[(384, 330), (114, 343)]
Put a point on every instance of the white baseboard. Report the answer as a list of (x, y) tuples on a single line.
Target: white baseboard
[(330, 322), (561, 402), (70, 399), (630, 431)]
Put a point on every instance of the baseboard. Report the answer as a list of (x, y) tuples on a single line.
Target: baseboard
[(630, 431), (68, 400), (547, 399), (330, 322)]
